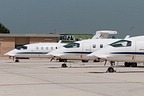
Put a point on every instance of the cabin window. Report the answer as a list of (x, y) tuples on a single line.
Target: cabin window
[(55, 47), (46, 48), (121, 43), (101, 45), (72, 45), (42, 48), (51, 48), (37, 48), (94, 45)]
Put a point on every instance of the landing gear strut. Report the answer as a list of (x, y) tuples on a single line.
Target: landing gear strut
[(111, 68)]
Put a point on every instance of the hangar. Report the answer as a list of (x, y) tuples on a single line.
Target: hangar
[(11, 41)]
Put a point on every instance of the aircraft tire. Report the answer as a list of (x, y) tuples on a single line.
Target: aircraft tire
[(85, 60), (64, 66), (134, 64), (127, 64), (110, 70), (96, 60), (17, 60), (62, 60)]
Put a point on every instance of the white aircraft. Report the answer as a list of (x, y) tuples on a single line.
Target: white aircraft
[(80, 49), (40, 49), (33, 50), (129, 50)]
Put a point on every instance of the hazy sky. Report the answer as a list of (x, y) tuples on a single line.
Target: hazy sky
[(73, 16)]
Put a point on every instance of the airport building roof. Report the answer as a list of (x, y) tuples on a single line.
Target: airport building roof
[(29, 35)]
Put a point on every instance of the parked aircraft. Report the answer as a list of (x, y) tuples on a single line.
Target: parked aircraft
[(130, 51), (80, 49), (33, 50), (40, 49)]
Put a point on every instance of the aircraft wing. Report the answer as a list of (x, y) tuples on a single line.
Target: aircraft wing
[(11, 53), (101, 56), (56, 55)]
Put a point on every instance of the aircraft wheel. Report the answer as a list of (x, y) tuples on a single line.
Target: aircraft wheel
[(64, 65), (17, 60), (62, 60), (96, 60), (110, 70), (85, 60), (127, 64), (133, 64)]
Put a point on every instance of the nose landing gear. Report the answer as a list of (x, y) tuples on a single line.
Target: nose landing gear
[(17, 60), (111, 68), (64, 65)]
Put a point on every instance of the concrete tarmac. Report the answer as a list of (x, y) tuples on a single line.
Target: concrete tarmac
[(44, 78)]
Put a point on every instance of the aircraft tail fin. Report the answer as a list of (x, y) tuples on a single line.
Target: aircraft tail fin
[(60, 41), (128, 36), (103, 34)]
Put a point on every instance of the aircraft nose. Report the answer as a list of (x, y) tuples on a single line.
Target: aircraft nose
[(11, 53)]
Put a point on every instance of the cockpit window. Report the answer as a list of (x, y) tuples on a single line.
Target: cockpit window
[(72, 45), (121, 43), (21, 47)]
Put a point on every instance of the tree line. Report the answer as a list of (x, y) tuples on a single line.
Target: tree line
[(3, 29)]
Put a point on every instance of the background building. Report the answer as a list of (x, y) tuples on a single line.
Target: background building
[(74, 37), (11, 41)]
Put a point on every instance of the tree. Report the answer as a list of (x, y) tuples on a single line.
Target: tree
[(3, 29)]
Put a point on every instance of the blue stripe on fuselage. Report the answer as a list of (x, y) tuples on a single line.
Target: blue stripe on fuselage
[(78, 52), (135, 53), (32, 53)]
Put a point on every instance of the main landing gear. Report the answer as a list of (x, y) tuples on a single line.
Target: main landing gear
[(130, 64), (16, 60), (127, 64), (85, 61), (111, 68)]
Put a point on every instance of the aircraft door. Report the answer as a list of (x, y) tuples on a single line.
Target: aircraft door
[(86, 47), (139, 55)]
